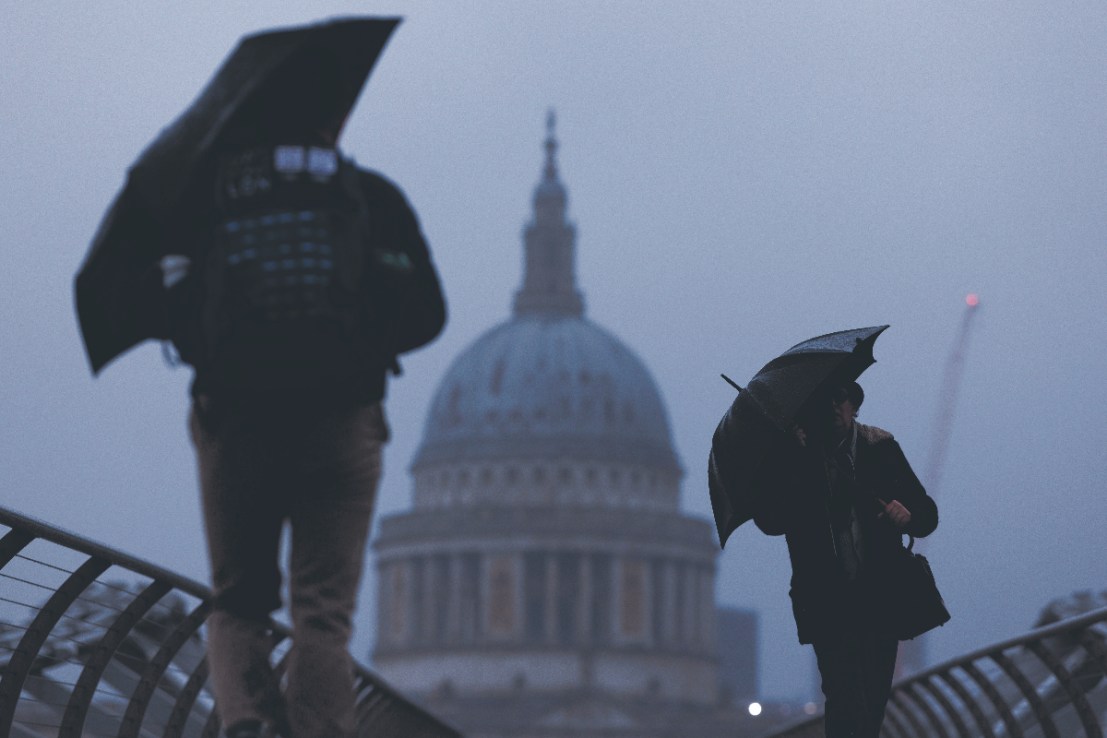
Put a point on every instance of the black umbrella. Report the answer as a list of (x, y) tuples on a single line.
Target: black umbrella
[(763, 414), (274, 85)]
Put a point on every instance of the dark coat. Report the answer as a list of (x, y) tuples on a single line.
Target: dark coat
[(794, 503), (412, 299)]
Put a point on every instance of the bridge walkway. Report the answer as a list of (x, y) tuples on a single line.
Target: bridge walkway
[(97, 643)]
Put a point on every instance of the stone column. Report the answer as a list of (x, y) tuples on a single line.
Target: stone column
[(551, 597), (631, 597), (500, 580), (708, 609), (399, 619), (689, 584), (432, 600), (694, 591), (584, 610), (384, 601), (647, 603), (453, 606), (669, 604)]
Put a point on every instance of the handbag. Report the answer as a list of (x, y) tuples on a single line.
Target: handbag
[(915, 605)]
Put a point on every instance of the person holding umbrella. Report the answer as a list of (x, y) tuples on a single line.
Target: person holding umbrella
[(791, 455), (290, 279)]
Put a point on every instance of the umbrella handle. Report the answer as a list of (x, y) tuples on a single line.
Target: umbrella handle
[(731, 382)]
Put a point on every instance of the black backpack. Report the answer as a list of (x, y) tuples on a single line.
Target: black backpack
[(286, 296)]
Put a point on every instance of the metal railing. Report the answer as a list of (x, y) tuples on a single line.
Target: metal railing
[(97, 643), (1048, 683)]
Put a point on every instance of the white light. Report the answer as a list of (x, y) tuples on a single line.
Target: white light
[(755, 708), (810, 708)]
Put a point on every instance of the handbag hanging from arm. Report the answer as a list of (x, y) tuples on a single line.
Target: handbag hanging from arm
[(916, 606)]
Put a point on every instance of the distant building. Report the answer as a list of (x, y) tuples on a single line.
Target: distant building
[(738, 660), (545, 582)]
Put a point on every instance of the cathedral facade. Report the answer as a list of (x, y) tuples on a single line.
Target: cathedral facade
[(545, 581)]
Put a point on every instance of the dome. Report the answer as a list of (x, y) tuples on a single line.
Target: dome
[(547, 396), (545, 562), (548, 387)]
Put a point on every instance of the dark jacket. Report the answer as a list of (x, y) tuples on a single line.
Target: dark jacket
[(411, 299), (793, 502)]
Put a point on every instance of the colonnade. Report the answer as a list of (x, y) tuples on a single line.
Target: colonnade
[(545, 598)]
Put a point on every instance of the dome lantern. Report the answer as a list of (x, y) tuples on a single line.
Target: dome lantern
[(549, 253)]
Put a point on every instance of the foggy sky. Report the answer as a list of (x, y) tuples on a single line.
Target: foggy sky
[(742, 175)]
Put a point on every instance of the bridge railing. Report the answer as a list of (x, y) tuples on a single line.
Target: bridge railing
[(97, 643), (1048, 683)]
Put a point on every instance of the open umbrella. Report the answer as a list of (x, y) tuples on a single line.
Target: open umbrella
[(765, 410), (274, 83)]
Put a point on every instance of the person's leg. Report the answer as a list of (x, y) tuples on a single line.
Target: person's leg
[(330, 524), (243, 526), (880, 666), (840, 666)]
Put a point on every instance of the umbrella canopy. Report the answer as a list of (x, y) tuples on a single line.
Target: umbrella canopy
[(763, 414), (274, 86)]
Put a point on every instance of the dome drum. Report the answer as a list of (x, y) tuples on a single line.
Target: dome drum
[(557, 481)]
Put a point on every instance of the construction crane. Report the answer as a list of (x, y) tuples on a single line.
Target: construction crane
[(912, 655), (947, 399)]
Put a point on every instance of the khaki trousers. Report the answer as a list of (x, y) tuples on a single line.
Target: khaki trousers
[(316, 469)]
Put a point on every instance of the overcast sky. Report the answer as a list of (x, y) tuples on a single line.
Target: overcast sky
[(743, 175)]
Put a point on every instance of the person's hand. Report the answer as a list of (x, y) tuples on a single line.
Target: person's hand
[(896, 512)]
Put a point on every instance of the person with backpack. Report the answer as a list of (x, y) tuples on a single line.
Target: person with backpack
[(290, 279), (316, 277), (292, 339)]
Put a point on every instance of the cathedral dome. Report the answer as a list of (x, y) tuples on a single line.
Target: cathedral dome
[(545, 562), (548, 386)]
